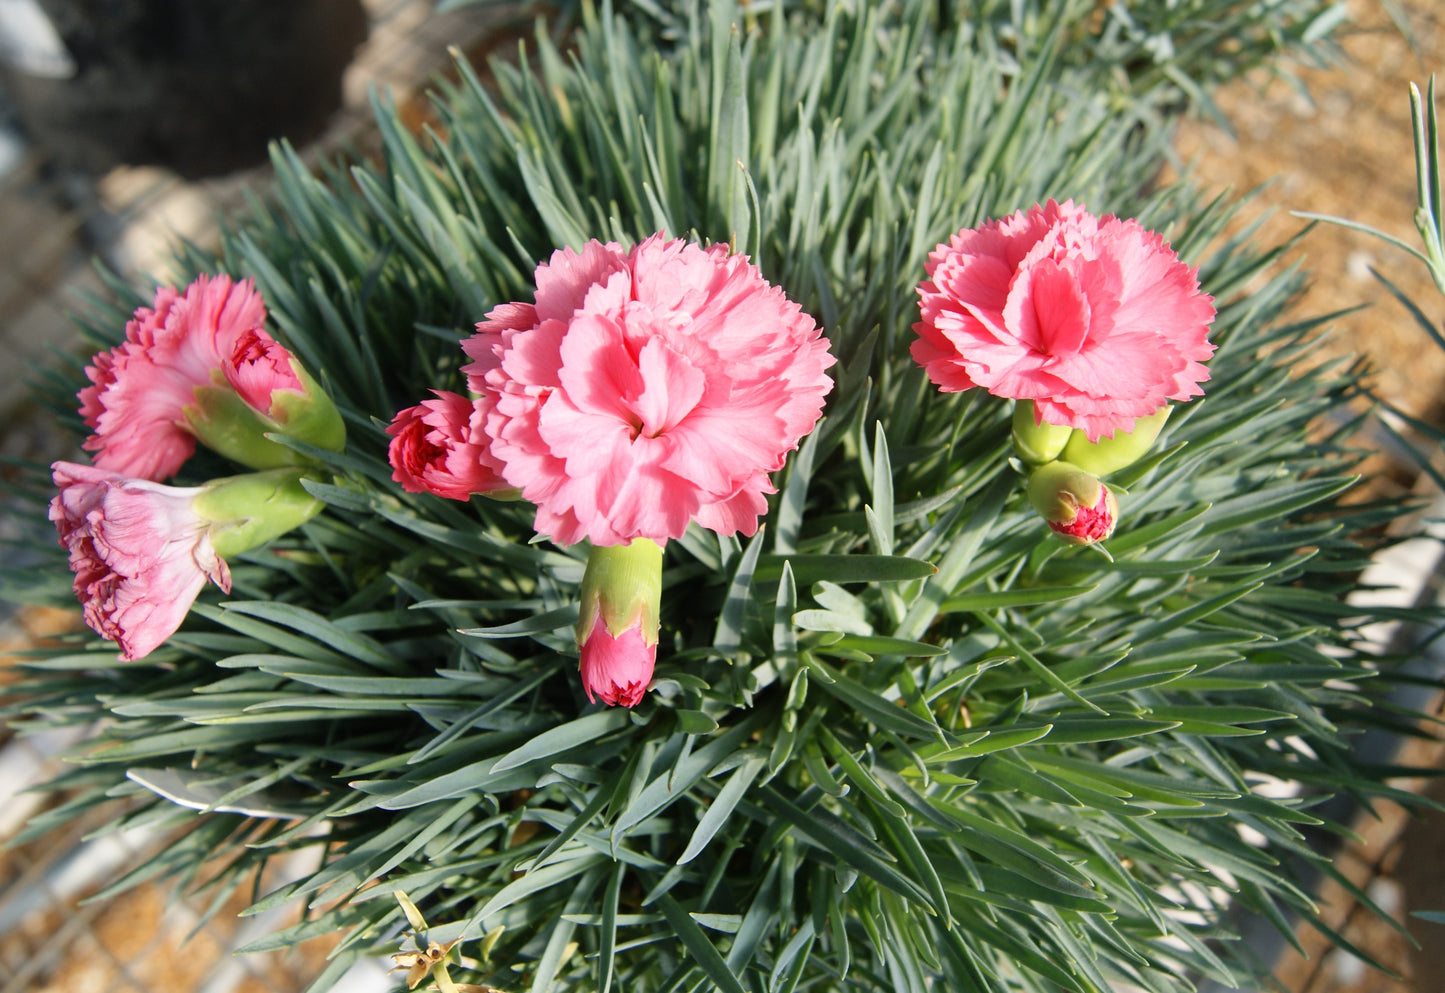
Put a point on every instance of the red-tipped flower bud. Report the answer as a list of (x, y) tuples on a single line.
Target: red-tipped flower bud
[(617, 622), (1080, 509)]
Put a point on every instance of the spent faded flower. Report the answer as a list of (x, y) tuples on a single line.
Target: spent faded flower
[(139, 550), (1096, 320), (646, 389), (439, 447), (135, 403)]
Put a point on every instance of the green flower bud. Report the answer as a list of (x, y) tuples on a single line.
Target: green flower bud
[(1123, 449), (1036, 442), (1077, 507), (249, 510)]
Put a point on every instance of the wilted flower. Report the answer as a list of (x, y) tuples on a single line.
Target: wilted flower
[(139, 390), (439, 447), (1096, 320), (646, 389), (1076, 505), (141, 551), (617, 622)]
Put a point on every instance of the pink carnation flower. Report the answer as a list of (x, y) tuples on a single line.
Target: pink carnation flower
[(646, 389), (1096, 320), (616, 669), (439, 447), (257, 366), (139, 389), (139, 552)]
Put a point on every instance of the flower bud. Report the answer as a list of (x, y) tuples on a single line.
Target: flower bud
[(261, 388), (1036, 442), (245, 512), (441, 447), (617, 620), (1119, 451), (1080, 509)]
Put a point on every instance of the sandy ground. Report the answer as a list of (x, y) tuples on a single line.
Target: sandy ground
[(1342, 146)]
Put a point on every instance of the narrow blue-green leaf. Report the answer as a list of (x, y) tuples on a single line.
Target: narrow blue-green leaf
[(1000, 599), (607, 940), (704, 952), (564, 737), (543, 623), (809, 569), (879, 645), (874, 707), (729, 634), (524, 886), (880, 513), (308, 622), (722, 807), (785, 637)]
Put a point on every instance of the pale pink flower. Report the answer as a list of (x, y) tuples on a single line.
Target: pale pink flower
[(134, 405), (1096, 320), (439, 447), (617, 668), (646, 389), (139, 551), (257, 367)]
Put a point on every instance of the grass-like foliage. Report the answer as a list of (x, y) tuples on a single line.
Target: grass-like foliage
[(902, 739)]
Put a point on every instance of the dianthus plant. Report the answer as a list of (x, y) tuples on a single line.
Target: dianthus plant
[(899, 735)]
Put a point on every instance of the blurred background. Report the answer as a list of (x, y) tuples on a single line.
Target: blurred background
[(128, 124)]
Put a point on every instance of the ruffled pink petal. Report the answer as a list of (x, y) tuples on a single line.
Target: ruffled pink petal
[(259, 365), (1095, 320), (440, 447), (656, 387), (135, 405), (139, 552)]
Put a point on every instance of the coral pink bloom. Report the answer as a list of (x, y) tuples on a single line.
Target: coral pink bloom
[(1096, 320), (139, 552), (617, 669), (139, 389), (258, 366), (439, 447), (646, 389)]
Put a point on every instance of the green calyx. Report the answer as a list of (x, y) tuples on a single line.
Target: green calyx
[(310, 416), (227, 424), (249, 510), (1059, 489), (622, 585), (1123, 449), (1034, 441)]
